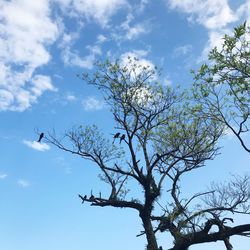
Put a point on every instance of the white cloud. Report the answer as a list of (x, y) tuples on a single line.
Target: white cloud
[(3, 176), (99, 10), (23, 183), (215, 40), (182, 50), (40, 84), (15, 96), (70, 98), (36, 145), (209, 13), (26, 30), (142, 5), (244, 11), (214, 15), (128, 31), (94, 49), (72, 57), (138, 54), (91, 103), (101, 38), (68, 38), (136, 30)]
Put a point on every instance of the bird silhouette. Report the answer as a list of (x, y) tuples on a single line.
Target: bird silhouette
[(40, 137), (92, 197), (83, 198), (116, 135), (122, 138)]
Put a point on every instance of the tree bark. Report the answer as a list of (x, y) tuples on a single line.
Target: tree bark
[(228, 244), (150, 235)]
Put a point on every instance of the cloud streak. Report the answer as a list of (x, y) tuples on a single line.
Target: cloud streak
[(132, 31), (91, 103), (3, 176), (36, 145), (98, 10), (212, 14), (23, 183)]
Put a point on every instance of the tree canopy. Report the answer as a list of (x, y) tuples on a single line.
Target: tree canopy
[(222, 86), (162, 134)]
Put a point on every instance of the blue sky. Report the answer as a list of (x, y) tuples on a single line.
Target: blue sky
[(43, 46)]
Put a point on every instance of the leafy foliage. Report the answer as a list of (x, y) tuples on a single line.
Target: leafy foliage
[(223, 86)]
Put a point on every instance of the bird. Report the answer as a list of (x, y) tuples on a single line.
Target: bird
[(160, 248), (116, 136), (122, 138), (40, 137), (92, 197), (83, 198)]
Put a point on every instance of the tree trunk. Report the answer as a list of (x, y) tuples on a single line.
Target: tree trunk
[(151, 239), (228, 244)]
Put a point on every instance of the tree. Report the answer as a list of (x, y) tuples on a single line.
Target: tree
[(162, 137), (222, 87)]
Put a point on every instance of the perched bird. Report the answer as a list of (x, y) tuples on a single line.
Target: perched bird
[(122, 138), (92, 197), (83, 198), (40, 137), (160, 248), (116, 135)]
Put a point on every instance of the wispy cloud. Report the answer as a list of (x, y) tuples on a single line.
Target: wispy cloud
[(3, 176), (214, 15), (23, 183), (70, 97), (72, 57), (91, 103), (101, 39), (215, 40), (36, 145), (98, 10), (182, 50), (26, 31), (142, 5), (130, 30)]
